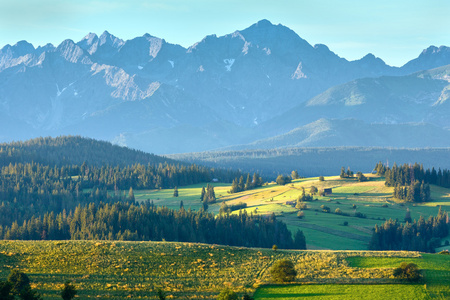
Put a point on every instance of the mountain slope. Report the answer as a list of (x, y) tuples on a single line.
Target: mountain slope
[(218, 91), (418, 98), (351, 132)]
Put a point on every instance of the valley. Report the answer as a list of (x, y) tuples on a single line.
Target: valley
[(322, 230)]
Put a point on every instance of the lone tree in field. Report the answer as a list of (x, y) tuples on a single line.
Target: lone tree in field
[(313, 190), (282, 180), (19, 281), (68, 292), (407, 271), (20, 286), (227, 294), (175, 192), (283, 271), (294, 174)]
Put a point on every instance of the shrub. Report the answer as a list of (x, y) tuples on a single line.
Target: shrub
[(247, 297), (19, 281), (445, 252), (321, 178), (345, 223), (227, 294), (274, 247), (161, 294), (283, 271), (338, 211), (407, 271), (68, 292), (300, 214), (360, 215), (325, 208)]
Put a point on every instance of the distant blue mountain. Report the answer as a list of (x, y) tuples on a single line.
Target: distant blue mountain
[(233, 89)]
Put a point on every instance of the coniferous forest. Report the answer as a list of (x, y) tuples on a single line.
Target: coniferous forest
[(146, 222), (412, 182), (48, 192), (422, 235)]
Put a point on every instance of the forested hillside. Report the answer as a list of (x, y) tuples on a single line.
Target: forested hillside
[(74, 150), (31, 185)]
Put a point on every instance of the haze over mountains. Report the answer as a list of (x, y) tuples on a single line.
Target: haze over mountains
[(263, 83)]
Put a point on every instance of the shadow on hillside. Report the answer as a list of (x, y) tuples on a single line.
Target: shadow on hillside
[(295, 296)]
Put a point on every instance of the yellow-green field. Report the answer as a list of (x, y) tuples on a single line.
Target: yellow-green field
[(322, 230), (120, 270)]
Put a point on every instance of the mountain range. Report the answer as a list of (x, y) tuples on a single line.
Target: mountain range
[(263, 85)]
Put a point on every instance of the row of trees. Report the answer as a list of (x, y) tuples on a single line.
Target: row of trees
[(238, 185), (416, 192), (144, 222), (405, 175), (422, 235), (345, 174), (32, 189)]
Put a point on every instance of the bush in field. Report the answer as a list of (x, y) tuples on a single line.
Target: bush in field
[(19, 281), (407, 271), (282, 180), (247, 297), (283, 271), (227, 294), (325, 208), (161, 294), (68, 292), (20, 285)]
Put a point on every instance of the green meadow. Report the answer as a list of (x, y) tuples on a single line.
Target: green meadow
[(328, 231), (136, 270)]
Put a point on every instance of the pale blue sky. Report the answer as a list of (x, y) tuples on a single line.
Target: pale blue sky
[(394, 30)]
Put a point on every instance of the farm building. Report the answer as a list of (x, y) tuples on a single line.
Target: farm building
[(328, 191)]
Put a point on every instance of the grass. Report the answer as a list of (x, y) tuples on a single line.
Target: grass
[(435, 284), (372, 198), (436, 270), (119, 270), (345, 291)]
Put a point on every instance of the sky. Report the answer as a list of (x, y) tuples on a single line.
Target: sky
[(394, 30)]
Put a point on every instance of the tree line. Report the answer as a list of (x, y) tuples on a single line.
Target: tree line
[(146, 222), (31, 189), (406, 174), (411, 182), (422, 235), (238, 185)]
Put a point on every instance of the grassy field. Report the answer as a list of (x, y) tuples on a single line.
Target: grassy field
[(119, 270), (322, 230), (344, 291), (435, 284)]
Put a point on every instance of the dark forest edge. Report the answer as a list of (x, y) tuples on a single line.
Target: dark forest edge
[(146, 222), (422, 235)]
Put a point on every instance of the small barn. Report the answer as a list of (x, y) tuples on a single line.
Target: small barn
[(328, 191)]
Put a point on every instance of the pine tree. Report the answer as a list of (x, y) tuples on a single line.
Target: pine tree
[(131, 194), (175, 192)]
